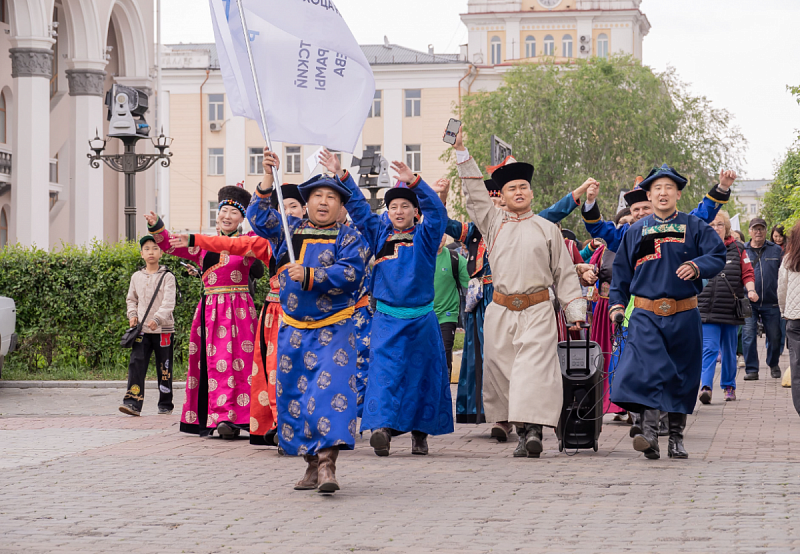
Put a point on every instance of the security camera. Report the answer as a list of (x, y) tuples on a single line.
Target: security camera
[(126, 109)]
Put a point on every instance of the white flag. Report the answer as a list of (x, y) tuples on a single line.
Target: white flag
[(315, 82), (735, 225)]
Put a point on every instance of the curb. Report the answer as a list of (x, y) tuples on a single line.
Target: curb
[(80, 385)]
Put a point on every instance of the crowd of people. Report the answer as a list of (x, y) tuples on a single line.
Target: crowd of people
[(360, 320)]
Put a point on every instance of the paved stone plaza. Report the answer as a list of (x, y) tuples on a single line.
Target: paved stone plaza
[(77, 476)]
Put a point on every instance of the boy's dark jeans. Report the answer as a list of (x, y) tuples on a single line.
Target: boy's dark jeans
[(144, 346)]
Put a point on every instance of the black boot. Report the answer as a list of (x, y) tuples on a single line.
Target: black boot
[(533, 440), (636, 424), (419, 443), (380, 441), (647, 441), (677, 423), (663, 425), (520, 451)]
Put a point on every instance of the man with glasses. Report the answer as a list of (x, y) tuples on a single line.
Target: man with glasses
[(765, 256)]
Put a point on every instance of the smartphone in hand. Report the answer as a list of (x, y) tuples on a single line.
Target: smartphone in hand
[(452, 130)]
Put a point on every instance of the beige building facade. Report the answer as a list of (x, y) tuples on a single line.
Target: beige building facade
[(57, 59), (417, 93)]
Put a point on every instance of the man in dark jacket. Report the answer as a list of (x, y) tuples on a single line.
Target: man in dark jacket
[(765, 256)]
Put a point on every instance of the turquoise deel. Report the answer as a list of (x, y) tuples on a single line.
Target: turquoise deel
[(447, 302), (408, 388), (316, 384), (661, 364), (468, 389)]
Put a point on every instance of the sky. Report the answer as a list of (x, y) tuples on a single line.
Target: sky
[(740, 54)]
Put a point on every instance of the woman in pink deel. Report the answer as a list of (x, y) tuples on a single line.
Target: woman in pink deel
[(222, 340)]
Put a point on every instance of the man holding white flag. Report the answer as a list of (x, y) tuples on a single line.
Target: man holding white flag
[(315, 82)]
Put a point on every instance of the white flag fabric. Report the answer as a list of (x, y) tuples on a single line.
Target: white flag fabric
[(316, 84), (735, 225)]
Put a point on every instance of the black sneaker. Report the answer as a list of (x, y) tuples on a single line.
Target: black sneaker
[(751, 376), (775, 372), (705, 395), (130, 410)]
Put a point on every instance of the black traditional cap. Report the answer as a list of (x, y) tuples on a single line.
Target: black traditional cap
[(492, 187), (401, 190), (664, 171), (635, 196), (288, 191), (145, 239), (235, 196), (512, 172), (319, 181)]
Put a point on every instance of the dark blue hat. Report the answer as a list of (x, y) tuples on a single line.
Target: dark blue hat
[(664, 171), (401, 190), (318, 181)]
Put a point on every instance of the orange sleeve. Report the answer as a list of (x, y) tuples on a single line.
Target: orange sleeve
[(245, 246)]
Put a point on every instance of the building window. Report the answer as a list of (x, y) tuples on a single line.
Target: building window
[(375, 108), (413, 102), (566, 46), (530, 47), (216, 161), (752, 208), (549, 45), (2, 118), (293, 159), (414, 157), (497, 51), (4, 11), (256, 157), (213, 208), (602, 45), (216, 107)]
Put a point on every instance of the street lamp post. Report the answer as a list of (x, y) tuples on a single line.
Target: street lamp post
[(130, 163)]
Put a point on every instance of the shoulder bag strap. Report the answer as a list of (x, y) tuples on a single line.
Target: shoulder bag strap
[(724, 278), (153, 299)]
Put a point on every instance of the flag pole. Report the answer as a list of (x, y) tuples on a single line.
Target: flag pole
[(276, 179)]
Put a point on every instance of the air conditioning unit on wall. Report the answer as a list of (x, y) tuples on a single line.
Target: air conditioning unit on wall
[(215, 127)]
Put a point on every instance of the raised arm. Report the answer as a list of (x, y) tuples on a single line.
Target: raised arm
[(162, 236), (435, 219), (478, 202), (367, 223), (566, 205), (245, 246), (712, 203)]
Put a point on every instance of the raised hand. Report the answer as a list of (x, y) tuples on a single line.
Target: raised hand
[(592, 191), (441, 185), (151, 218), (179, 241), (270, 160), (331, 162), (459, 145), (581, 190), (726, 179), (404, 173)]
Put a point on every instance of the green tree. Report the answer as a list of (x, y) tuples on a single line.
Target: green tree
[(611, 119), (782, 202)]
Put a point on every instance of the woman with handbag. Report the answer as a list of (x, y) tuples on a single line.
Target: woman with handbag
[(724, 304), (789, 302)]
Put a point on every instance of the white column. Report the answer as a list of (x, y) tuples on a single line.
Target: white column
[(393, 124), (85, 182), (235, 148), (512, 51), (31, 67)]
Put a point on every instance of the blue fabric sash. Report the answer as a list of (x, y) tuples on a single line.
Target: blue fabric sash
[(404, 313)]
